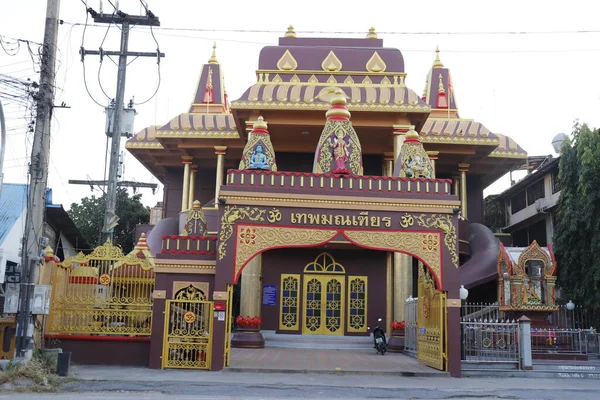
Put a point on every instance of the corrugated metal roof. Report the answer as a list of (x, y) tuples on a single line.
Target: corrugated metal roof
[(13, 200)]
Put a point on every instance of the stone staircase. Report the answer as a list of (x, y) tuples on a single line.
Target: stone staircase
[(329, 342)]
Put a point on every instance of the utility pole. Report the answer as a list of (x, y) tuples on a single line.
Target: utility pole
[(125, 20), (31, 251), (2, 145)]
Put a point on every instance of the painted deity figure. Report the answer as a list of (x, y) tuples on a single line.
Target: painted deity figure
[(259, 159), (340, 151)]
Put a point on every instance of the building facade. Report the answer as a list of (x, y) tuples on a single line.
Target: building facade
[(330, 191)]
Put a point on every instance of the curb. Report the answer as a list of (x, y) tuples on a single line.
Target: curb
[(336, 372)]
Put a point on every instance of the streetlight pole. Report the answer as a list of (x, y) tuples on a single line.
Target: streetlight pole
[(464, 294)]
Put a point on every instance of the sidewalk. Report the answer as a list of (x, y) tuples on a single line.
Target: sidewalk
[(119, 378)]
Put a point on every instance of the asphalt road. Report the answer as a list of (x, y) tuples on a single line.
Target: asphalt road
[(97, 390)]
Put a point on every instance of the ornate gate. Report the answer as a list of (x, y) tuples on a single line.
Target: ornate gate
[(228, 324), (188, 334), (432, 323)]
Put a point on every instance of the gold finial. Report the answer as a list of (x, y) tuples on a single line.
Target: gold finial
[(260, 123), (49, 251), (412, 134), (338, 105), (213, 58), (196, 204), (290, 32), (437, 63), (141, 244), (372, 34), (441, 86)]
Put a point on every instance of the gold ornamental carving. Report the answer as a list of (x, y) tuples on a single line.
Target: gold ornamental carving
[(254, 239), (331, 63), (406, 221), (535, 252), (376, 63), (107, 252), (231, 214), (287, 62), (443, 223), (419, 244), (190, 291)]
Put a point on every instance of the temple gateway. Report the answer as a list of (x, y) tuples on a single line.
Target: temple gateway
[(329, 191)]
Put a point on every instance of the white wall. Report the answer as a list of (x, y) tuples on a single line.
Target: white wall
[(12, 243), (530, 211)]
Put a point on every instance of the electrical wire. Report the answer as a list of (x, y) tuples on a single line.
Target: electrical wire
[(83, 58)]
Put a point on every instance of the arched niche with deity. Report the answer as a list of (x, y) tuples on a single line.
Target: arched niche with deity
[(339, 150), (526, 278), (259, 153)]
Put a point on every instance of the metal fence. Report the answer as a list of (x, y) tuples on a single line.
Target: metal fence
[(566, 341), (563, 318), (490, 341), (410, 333)]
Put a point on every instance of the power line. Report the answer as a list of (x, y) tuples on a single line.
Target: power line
[(565, 32)]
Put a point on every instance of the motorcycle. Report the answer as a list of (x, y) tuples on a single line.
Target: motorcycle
[(379, 340)]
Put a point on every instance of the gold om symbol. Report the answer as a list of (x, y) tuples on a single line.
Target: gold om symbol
[(407, 220), (104, 279), (274, 216), (189, 317)]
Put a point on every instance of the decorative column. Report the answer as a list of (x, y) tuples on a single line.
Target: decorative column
[(399, 136), (192, 188), (433, 156), (463, 168), (388, 164), (402, 286), (187, 162), (220, 151), (455, 185), (250, 288), (388, 170)]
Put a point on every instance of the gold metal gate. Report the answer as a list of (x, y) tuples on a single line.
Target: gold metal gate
[(228, 323), (431, 323), (187, 341)]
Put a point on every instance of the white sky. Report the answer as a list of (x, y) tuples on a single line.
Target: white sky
[(527, 86)]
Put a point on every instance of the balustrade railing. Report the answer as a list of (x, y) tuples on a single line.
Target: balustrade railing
[(490, 341)]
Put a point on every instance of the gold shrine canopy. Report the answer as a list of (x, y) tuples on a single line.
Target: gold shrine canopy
[(294, 84)]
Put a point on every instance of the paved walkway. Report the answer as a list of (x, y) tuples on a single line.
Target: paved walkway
[(278, 359)]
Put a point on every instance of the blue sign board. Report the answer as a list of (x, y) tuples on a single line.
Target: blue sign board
[(269, 297)]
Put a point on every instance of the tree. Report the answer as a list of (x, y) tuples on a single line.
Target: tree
[(577, 222), (88, 216)]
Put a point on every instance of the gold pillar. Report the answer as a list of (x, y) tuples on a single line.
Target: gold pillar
[(192, 188), (220, 151), (399, 136), (402, 275), (433, 156), (463, 168), (187, 161), (455, 187), (388, 164), (250, 294), (389, 287)]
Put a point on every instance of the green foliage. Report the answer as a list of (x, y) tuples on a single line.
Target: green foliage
[(577, 222), (493, 213), (88, 216)]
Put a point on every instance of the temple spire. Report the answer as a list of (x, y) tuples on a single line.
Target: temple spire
[(437, 63), (372, 34), (213, 58), (290, 32)]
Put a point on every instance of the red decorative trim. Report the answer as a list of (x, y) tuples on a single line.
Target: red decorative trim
[(99, 338)]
